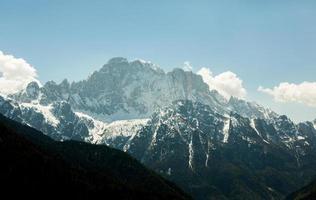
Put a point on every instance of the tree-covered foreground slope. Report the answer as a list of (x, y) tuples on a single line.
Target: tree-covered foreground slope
[(33, 165), (306, 193)]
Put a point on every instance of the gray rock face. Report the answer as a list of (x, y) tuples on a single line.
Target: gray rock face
[(32, 90)]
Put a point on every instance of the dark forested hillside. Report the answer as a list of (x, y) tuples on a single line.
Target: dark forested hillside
[(32, 164), (306, 193)]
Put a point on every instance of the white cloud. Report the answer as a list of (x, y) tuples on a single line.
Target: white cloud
[(15, 74), (227, 84), (187, 66), (304, 92)]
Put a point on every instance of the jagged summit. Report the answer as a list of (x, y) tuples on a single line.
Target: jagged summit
[(65, 83), (137, 64), (117, 60), (32, 89)]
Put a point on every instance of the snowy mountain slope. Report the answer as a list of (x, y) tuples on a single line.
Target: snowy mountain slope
[(250, 109), (184, 118), (115, 133), (56, 120), (59, 121)]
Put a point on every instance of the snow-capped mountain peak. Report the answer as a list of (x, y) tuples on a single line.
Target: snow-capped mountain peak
[(170, 121)]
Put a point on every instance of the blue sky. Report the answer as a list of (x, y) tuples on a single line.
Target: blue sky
[(263, 42)]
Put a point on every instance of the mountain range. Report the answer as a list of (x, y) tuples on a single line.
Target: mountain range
[(212, 147)]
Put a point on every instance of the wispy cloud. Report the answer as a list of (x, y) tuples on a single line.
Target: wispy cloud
[(304, 92), (15, 73)]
